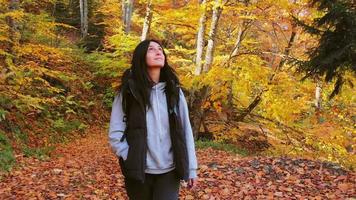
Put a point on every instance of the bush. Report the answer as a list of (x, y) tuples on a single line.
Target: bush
[(7, 159), (202, 144), (41, 153)]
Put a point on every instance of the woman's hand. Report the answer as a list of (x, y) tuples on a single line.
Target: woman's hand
[(192, 182)]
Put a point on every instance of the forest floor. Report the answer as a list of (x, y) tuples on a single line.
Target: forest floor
[(87, 169)]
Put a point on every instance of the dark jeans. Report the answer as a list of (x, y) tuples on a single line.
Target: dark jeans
[(156, 187)]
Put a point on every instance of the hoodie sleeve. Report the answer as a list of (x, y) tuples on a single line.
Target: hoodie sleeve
[(184, 115), (117, 128)]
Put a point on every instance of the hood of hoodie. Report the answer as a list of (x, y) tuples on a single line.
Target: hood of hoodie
[(159, 85)]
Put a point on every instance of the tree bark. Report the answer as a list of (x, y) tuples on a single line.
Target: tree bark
[(286, 53), (174, 4), (200, 40), (147, 22), (239, 38), (244, 26), (14, 26), (14, 36), (209, 55), (238, 42), (127, 9), (318, 97), (252, 106), (83, 6), (203, 93), (198, 99)]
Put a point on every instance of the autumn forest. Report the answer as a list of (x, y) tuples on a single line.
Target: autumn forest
[(269, 86)]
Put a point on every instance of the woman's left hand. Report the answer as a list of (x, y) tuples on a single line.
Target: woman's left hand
[(192, 183)]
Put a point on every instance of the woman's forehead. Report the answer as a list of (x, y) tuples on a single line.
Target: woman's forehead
[(154, 44)]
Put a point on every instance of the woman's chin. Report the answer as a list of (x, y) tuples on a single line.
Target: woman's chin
[(156, 66)]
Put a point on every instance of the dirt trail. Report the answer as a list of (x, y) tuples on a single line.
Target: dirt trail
[(87, 169), (83, 169)]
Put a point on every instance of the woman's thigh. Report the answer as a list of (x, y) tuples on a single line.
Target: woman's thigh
[(166, 186), (156, 187), (136, 190)]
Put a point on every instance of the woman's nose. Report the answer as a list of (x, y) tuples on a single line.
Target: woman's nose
[(158, 52)]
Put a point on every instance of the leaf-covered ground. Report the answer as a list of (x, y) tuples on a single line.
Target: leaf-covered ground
[(86, 169)]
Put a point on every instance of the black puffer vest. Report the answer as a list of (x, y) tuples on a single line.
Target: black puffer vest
[(136, 134)]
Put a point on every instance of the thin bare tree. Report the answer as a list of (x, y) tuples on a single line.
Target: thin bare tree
[(209, 55), (83, 7), (147, 21), (127, 10), (200, 39)]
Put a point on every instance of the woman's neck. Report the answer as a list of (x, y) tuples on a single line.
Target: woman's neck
[(154, 74)]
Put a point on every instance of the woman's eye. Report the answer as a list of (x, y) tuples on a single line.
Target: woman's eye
[(151, 49)]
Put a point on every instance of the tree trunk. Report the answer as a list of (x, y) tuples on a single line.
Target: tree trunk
[(203, 93), (198, 117), (258, 98), (200, 40), (252, 106), (174, 4), (14, 36), (242, 30), (211, 41), (238, 41), (14, 33), (239, 38), (318, 98), (286, 53), (230, 97), (83, 6), (127, 9), (147, 22), (14, 26)]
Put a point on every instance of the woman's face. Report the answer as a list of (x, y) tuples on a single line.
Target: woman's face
[(155, 56)]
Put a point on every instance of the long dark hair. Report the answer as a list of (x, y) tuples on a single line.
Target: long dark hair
[(143, 81)]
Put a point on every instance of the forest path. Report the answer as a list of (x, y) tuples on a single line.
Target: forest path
[(87, 169)]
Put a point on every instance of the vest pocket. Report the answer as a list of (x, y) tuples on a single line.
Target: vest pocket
[(135, 139), (179, 147), (181, 154)]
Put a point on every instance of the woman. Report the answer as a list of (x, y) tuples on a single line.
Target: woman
[(150, 130)]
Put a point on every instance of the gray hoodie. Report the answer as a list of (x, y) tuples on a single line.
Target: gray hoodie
[(159, 153)]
